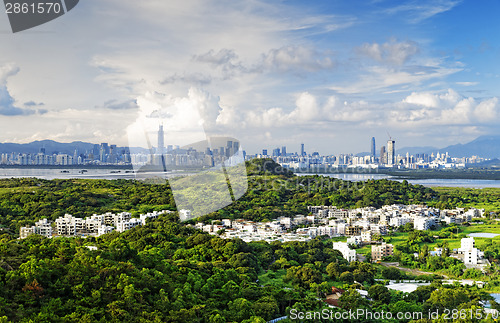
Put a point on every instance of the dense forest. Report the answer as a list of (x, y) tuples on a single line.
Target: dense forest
[(167, 271), (272, 192)]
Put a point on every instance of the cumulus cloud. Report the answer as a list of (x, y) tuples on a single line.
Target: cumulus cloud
[(7, 102), (225, 59), (391, 53), (185, 119), (308, 111), (446, 108), (295, 58)]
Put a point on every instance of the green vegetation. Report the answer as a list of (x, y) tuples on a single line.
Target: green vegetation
[(486, 198), (166, 271)]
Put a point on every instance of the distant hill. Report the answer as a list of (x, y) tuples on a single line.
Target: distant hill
[(484, 146)]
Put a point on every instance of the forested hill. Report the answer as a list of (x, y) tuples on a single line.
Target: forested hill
[(272, 192), (161, 272), (166, 271)]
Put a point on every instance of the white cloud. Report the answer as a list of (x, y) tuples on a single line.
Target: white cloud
[(419, 10), (384, 78), (391, 53), (295, 58), (8, 106), (445, 109), (467, 83)]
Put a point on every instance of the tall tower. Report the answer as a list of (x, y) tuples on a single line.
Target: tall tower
[(302, 151), (161, 140), (373, 147), (383, 155), (391, 152)]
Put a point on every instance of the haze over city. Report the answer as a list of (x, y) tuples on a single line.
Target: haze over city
[(329, 74)]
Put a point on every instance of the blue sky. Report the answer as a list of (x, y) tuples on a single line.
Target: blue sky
[(331, 74)]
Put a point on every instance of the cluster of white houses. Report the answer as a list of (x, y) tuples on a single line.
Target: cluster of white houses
[(359, 225), (362, 223), (95, 225)]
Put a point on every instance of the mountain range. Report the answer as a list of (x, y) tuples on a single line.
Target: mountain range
[(483, 146)]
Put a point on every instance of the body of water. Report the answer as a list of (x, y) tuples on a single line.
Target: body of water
[(469, 183), (54, 173), (482, 235), (102, 173)]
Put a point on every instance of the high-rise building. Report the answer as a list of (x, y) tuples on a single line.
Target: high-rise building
[(383, 155), (105, 147), (161, 140), (96, 151), (373, 147), (302, 151), (276, 152), (283, 151), (264, 152), (391, 152)]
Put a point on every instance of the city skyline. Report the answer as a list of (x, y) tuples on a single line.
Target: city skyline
[(320, 73)]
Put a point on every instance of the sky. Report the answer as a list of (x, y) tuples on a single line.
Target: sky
[(329, 74)]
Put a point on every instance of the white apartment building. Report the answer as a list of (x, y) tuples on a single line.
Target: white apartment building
[(366, 236), (423, 223), (69, 225), (471, 255), (123, 226), (347, 253), (66, 225), (42, 227), (103, 229), (399, 221)]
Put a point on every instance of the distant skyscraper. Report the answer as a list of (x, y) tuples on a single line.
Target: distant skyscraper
[(391, 152), (161, 140), (264, 152), (283, 151), (383, 155), (302, 151), (96, 151), (373, 147), (104, 152)]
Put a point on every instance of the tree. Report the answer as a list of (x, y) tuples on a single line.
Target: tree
[(351, 299), (379, 293), (347, 277)]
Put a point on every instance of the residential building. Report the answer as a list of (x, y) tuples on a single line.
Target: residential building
[(347, 253), (381, 251)]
